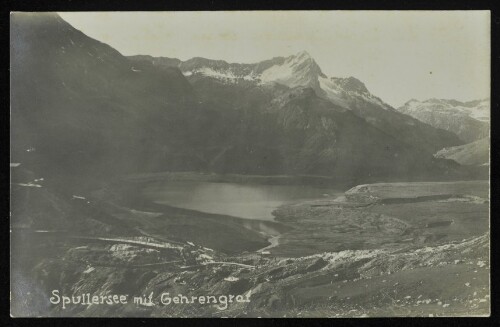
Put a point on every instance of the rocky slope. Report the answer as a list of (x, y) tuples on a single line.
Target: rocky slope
[(475, 153), (91, 245), (468, 120)]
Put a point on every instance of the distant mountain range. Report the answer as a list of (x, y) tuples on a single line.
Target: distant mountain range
[(468, 120), (79, 108)]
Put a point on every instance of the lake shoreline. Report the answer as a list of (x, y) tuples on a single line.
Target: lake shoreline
[(333, 219), (312, 180)]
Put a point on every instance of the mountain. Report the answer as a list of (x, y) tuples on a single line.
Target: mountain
[(80, 108), (301, 70), (82, 113), (468, 120), (354, 135), (474, 153)]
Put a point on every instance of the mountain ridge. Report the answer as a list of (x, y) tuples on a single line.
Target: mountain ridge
[(468, 120), (277, 69), (300, 70)]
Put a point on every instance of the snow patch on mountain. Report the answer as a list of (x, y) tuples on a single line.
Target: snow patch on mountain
[(468, 120), (297, 70), (226, 76), (479, 109), (278, 73)]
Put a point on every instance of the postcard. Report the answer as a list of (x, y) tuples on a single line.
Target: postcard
[(250, 164)]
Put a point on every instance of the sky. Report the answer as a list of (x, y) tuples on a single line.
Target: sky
[(399, 55)]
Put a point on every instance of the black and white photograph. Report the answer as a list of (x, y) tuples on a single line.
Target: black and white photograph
[(250, 164)]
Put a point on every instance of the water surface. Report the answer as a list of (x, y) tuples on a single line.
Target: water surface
[(252, 201)]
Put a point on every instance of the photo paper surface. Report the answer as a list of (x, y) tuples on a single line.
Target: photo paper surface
[(250, 164)]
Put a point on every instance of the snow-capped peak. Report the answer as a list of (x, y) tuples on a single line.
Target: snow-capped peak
[(297, 70), (302, 55), (478, 109)]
